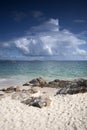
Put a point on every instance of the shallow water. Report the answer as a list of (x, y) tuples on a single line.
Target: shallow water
[(18, 72)]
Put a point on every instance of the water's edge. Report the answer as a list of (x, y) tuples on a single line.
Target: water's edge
[(19, 72)]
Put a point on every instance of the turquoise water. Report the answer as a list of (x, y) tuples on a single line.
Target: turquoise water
[(18, 72)]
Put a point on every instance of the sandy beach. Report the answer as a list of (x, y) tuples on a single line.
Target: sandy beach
[(66, 112), (43, 64)]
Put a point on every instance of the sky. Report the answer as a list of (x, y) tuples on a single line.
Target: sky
[(43, 29)]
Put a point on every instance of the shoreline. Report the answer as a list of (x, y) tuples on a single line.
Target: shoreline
[(19, 80), (36, 106)]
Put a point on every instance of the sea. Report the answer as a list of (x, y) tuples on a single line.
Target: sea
[(18, 72)]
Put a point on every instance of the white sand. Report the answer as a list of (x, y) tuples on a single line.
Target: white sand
[(68, 112)]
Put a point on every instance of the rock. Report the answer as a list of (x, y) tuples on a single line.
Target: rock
[(38, 101), (26, 84), (31, 91), (24, 94), (36, 82), (53, 84), (9, 90), (37, 94), (20, 96), (73, 87), (3, 89), (48, 101), (1, 93), (41, 81), (58, 83), (17, 89), (64, 83), (34, 90)]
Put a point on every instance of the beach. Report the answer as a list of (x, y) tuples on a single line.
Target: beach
[(65, 112), (43, 65), (60, 104)]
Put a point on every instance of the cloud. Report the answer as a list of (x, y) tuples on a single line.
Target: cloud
[(48, 26), (46, 41)]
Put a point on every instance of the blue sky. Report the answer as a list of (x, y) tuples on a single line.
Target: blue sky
[(43, 29)]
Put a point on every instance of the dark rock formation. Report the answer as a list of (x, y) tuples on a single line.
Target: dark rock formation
[(23, 94), (73, 87), (36, 82), (64, 86), (20, 96), (11, 89), (38, 101), (58, 83), (31, 91), (26, 84), (1, 93)]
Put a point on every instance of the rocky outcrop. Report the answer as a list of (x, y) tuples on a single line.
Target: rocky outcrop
[(11, 89), (38, 101), (73, 87), (36, 82), (58, 83), (32, 90), (27, 84), (64, 86), (20, 96), (32, 97), (17, 89), (24, 94), (1, 94)]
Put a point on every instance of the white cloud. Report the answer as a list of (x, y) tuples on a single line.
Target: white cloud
[(48, 40), (80, 52), (53, 21), (51, 25)]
